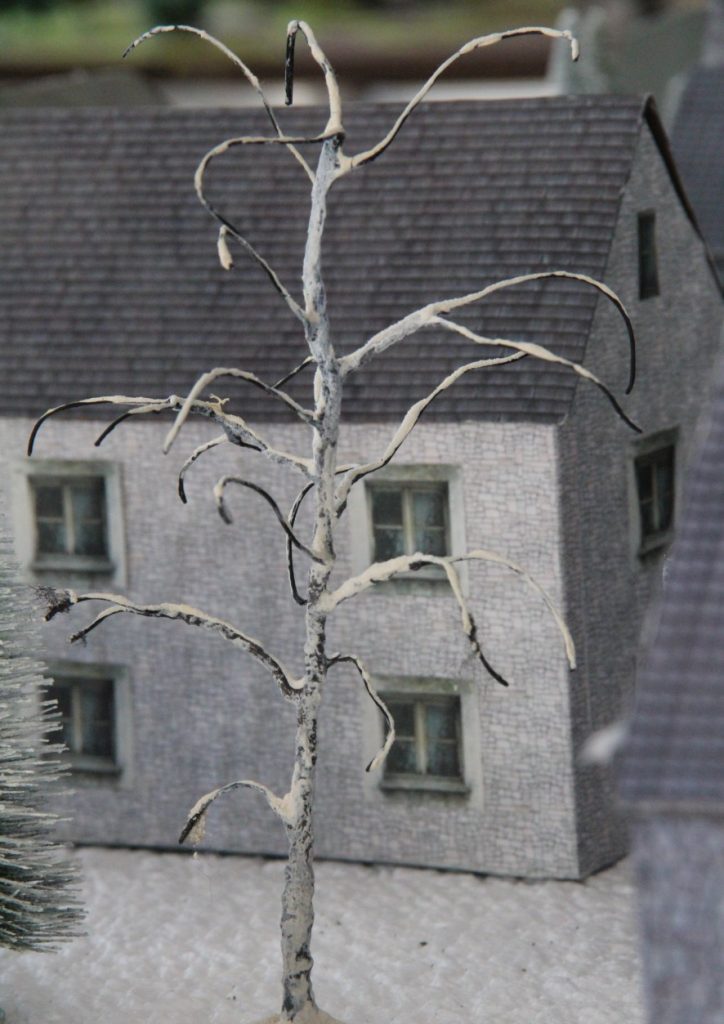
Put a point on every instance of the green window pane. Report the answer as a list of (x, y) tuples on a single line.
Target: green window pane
[(90, 538), (97, 721), (51, 537), (441, 720), (404, 716), (428, 508), (88, 498), (389, 542), (431, 541), (442, 759), (645, 480), (386, 507), (48, 501), (402, 758)]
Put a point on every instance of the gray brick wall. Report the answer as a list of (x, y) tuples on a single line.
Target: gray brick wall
[(608, 585), (203, 715)]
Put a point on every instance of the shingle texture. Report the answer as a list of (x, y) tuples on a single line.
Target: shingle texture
[(109, 280), (698, 145), (675, 753)]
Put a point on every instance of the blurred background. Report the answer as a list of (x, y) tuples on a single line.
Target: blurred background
[(69, 51)]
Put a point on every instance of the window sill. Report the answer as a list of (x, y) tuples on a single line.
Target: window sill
[(91, 765), (655, 543), (426, 784), (72, 563)]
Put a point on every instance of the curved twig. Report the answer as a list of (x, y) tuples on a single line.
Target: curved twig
[(538, 352), (334, 124), (293, 512), (423, 316), (195, 826), (379, 758), (381, 571), (226, 515), (292, 373), (223, 371), (143, 410), (235, 59), (474, 44), (409, 422), (63, 600), (159, 403), (468, 623), (196, 454)]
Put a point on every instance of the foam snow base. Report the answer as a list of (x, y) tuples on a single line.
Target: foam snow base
[(196, 941)]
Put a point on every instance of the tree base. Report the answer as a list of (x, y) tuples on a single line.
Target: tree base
[(309, 1015)]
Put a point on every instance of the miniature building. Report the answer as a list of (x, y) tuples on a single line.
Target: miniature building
[(112, 286), (672, 770)]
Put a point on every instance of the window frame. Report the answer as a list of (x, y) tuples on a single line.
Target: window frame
[(648, 263), (381, 786), (422, 779), (70, 568), (72, 675), (406, 488), (644, 452), (428, 581)]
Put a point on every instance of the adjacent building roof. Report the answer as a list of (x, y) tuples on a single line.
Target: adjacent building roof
[(698, 144), (109, 280), (674, 756)]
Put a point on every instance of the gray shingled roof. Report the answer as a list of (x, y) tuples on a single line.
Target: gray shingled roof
[(675, 751), (698, 145), (109, 280)]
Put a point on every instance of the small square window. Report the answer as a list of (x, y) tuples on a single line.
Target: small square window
[(87, 707), (655, 490), (68, 522), (648, 267), (70, 518), (409, 517), (427, 752)]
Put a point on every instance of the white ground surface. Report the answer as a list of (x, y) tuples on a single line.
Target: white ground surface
[(176, 940)]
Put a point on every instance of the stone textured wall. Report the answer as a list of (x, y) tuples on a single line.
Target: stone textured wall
[(679, 867), (608, 585), (204, 714)]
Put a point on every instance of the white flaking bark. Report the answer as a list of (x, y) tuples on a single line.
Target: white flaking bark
[(379, 572), (425, 315), (63, 600)]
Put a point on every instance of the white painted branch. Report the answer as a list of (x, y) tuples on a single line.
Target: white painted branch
[(379, 572), (475, 44), (292, 373), (536, 352), (334, 124), (227, 261), (195, 826), (221, 505), (63, 600), (468, 622), (224, 371), (379, 759), (160, 403), (235, 59), (424, 316), (409, 422), (196, 454)]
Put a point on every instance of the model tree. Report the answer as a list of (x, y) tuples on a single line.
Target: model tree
[(328, 482), (38, 904)]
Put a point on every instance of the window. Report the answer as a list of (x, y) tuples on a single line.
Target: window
[(409, 517), (70, 517), (87, 706), (68, 522), (437, 748), (654, 469), (648, 270), (427, 738)]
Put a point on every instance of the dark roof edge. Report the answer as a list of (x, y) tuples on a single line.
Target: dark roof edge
[(650, 115)]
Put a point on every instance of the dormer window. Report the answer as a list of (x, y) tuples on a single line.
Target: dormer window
[(648, 270)]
